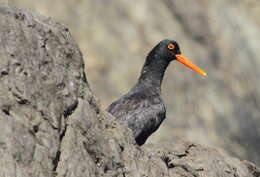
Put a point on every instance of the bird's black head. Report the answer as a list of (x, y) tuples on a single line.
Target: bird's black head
[(168, 50)]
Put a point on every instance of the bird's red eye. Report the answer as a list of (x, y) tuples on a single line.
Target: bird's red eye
[(171, 46)]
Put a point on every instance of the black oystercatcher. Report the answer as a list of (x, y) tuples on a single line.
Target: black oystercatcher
[(142, 108)]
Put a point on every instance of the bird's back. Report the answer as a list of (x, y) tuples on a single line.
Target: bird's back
[(142, 110)]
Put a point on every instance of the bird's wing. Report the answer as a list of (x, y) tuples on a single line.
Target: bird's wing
[(130, 102), (141, 113), (143, 122)]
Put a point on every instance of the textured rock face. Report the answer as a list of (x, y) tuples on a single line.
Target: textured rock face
[(221, 36), (42, 79), (51, 124)]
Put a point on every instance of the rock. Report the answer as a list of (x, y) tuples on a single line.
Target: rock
[(41, 80), (52, 125)]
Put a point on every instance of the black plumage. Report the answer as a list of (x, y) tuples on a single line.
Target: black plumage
[(142, 108)]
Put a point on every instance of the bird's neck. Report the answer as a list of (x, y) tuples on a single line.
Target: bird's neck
[(153, 72)]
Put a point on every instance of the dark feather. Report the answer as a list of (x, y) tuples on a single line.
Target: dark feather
[(141, 111)]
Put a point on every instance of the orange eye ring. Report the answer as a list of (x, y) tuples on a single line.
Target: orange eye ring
[(171, 46)]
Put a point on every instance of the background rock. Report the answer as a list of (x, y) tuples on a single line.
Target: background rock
[(52, 125), (221, 36)]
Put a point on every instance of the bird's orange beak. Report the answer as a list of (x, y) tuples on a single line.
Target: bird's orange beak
[(182, 59)]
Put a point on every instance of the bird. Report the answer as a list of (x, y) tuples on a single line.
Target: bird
[(142, 109)]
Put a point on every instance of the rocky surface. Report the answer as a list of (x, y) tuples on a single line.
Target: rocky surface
[(220, 36), (42, 78), (51, 124)]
